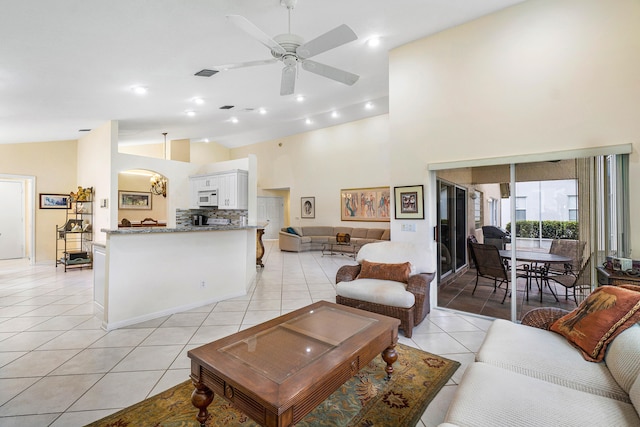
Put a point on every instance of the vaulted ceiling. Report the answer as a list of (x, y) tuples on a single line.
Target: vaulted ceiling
[(71, 65)]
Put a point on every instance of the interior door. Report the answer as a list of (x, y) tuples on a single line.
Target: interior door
[(271, 211), (12, 220)]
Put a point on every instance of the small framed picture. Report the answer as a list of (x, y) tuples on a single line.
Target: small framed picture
[(54, 201), (409, 202), (134, 200), (307, 207)]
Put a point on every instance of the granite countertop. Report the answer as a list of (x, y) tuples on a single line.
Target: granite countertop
[(153, 230)]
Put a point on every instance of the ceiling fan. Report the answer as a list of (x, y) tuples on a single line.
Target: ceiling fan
[(291, 50)]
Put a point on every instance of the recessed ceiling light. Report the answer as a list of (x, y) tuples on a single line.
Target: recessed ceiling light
[(308, 121), (233, 120), (190, 113), (206, 140), (300, 98), (198, 101), (262, 111), (373, 41), (140, 90), (335, 114), (369, 105)]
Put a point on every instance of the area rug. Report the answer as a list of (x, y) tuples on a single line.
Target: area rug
[(366, 399)]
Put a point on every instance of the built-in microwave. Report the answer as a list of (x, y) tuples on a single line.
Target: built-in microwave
[(208, 198)]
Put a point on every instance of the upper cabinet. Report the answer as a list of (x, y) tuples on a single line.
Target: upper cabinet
[(233, 190), (231, 187)]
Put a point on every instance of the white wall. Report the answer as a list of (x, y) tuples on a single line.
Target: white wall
[(94, 170), (321, 163), (541, 76)]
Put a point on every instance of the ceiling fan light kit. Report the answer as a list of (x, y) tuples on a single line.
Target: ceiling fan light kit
[(291, 50)]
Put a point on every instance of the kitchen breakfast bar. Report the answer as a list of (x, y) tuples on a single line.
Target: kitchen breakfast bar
[(145, 273)]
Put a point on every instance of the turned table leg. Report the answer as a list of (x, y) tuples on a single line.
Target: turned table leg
[(389, 355), (201, 398)]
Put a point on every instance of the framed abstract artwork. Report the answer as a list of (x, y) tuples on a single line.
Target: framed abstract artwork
[(409, 202), (365, 204)]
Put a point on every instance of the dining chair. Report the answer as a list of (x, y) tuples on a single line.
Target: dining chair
[(570, 280), (573, 249), (472, 258), (489, 265)]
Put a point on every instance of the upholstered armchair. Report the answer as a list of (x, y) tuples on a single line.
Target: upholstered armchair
[(391, 278)]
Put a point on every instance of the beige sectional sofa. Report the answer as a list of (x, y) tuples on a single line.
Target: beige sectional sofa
[(527, 376), (312, 237)]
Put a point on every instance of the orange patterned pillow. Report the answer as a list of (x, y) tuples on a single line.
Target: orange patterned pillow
[(603, 315), (395, 272)]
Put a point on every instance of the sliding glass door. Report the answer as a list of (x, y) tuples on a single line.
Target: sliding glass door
[(546, 205), (452, 225)]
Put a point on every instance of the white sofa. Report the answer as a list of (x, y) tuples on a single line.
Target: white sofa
[(526, 376)]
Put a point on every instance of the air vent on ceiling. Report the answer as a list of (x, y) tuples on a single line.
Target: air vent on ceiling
[(227, 107), (205, 73), (84, 130)]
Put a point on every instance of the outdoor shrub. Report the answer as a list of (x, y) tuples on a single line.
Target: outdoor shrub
[(550, 229)]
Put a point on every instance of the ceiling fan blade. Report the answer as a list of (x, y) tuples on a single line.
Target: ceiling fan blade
[(225, 67), (330, 72), (288, 83), (329, 40), (247, 26)]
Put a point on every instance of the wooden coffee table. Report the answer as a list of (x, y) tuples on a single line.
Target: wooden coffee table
[(280, 370)]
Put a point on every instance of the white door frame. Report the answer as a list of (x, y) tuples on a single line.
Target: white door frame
[(30, 207)]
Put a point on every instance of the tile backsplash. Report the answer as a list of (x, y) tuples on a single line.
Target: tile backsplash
[(183, 216)]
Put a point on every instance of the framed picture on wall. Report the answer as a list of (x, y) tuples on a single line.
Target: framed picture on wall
[(409, 202), (54, 201), (134, 200), (307, 207), (365, 204)]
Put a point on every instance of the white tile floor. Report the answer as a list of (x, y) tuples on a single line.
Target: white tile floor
[(58, 368)]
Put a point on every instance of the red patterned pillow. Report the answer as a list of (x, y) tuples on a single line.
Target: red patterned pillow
[(603, 315), (395, 272)]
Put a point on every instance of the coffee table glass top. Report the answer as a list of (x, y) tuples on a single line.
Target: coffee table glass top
[(283, 350)]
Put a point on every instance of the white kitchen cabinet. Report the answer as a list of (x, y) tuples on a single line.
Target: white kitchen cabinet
[(199, 183), (232, 187), (233, 190)]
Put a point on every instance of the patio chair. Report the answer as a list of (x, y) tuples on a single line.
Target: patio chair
[(489, 265), (573, 249), (570, 279)]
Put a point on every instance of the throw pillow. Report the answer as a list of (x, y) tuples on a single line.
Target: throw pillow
[(291, 230), (603, 315), (376, 270)]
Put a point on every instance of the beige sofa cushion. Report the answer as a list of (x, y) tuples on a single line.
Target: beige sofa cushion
[(360, 233), (623, 357), (375, 233), (377, 291), (317, 231), (489, 396), (386, 235), (345, 230), (547, 356)]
